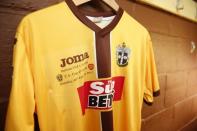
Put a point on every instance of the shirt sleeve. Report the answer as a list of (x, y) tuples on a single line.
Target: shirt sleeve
[(151, 79), (21, 107)]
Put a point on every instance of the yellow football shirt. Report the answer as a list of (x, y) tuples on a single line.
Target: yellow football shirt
[(80, 71)]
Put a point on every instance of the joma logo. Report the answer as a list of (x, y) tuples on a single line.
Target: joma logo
[(74, 59)]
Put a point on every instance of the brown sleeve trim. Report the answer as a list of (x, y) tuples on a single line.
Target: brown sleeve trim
[(156, 93), (148, 103), (15, 41)]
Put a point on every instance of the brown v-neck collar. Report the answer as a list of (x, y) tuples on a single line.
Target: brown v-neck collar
[(81, 15)]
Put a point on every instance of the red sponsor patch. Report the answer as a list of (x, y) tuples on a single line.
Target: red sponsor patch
[(100, 94)]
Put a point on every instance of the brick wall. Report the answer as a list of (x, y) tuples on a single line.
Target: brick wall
[(177, 68)]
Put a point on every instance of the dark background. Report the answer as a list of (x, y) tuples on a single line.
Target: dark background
[(175, 108)]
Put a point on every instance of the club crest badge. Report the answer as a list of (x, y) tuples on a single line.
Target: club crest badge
[(122, 55)]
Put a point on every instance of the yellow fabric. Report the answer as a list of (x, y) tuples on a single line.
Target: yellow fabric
[(152, 84), (49, 36)]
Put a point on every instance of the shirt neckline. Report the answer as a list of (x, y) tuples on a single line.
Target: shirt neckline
[(82, 17)]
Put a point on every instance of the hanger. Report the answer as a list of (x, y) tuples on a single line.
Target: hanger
[(111, 3)]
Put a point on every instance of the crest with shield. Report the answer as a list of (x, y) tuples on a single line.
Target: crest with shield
[(122, 55)]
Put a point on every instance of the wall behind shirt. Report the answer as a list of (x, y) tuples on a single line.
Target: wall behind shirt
[(177, 68)]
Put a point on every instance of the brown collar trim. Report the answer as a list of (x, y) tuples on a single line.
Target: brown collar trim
[(81, 15), (96, 14)]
